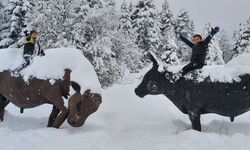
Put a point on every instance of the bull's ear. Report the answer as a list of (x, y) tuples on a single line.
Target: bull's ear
[(76, 86), (152, 58)]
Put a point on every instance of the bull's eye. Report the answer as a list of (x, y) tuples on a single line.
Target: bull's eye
[(152, 87)]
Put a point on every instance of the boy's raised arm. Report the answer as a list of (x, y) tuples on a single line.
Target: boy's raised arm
[(189, 43)]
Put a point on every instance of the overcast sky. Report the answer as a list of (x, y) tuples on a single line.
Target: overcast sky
[(225, 13)]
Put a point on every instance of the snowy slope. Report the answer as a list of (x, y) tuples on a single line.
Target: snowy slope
[(124, 122)]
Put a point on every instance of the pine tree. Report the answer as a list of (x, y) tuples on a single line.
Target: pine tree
[(109, 3), (101, 50), (214, 54), (95, 3), (166, 18), (169, 56), (168, 46), (144, 22), (225, 45), (11, 30), (125, 20), (185, 26), (59, 21), (130, 8), (242, 38)]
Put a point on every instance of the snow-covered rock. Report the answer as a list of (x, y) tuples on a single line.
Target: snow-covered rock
[(52, 66)]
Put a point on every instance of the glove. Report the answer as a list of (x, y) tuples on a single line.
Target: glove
[(215, 30)]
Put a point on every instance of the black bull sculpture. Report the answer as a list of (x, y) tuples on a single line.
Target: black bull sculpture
[(194, 99)]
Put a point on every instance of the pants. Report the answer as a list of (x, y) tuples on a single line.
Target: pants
[(27, 59), (190, 67)]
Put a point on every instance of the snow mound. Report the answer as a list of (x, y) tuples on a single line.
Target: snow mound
[(52, 65), (229, 72)]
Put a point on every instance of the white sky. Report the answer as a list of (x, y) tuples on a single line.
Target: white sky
[(225, 13)]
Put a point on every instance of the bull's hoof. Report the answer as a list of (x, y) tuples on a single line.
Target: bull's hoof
[(232, 119)]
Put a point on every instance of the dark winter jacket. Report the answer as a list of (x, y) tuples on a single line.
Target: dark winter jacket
[(199, 51), (30, 46)]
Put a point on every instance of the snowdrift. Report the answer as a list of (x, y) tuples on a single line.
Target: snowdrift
[(52, 65), (229, 72)]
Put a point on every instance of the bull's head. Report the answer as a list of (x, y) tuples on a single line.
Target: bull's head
[(81, 106), (152, 81)]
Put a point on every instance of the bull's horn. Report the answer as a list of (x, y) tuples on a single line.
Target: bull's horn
[(151, 56)]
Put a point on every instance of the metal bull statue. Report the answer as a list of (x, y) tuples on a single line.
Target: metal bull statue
[(195, 99), (38, 92)]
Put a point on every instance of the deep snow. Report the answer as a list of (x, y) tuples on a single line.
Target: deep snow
[(124, 122)]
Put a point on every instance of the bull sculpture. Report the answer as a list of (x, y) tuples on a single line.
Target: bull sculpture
[(197, 98), (36, 92)]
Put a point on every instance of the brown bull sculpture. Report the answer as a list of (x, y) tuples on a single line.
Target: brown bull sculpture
[(36, 92)]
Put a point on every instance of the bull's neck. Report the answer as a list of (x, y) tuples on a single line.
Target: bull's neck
[(167, 88)]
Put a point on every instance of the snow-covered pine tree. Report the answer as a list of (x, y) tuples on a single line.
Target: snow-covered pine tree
[(14, 23), (127, 52), (225, 45), (109, 3), (125, 20), (1, 13), (111, 52), (144, 22), (242, 39), (185, 26), (95, 3), (214, 54), (130, 8), (58, 21), (166, 18), (169, 56), (168, 46), (100, 50)]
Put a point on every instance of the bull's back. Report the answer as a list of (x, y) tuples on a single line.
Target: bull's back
[(23, 94), (227, 99)]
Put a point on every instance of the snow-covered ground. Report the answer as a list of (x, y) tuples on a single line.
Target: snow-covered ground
[(124, 122)]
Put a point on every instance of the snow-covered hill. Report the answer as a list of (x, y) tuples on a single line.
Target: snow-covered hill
[(124, 122)]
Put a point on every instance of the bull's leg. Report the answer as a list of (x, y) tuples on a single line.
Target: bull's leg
[(53, 116), (62, 116), (194, 116), (232, 119), (3, 103)]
